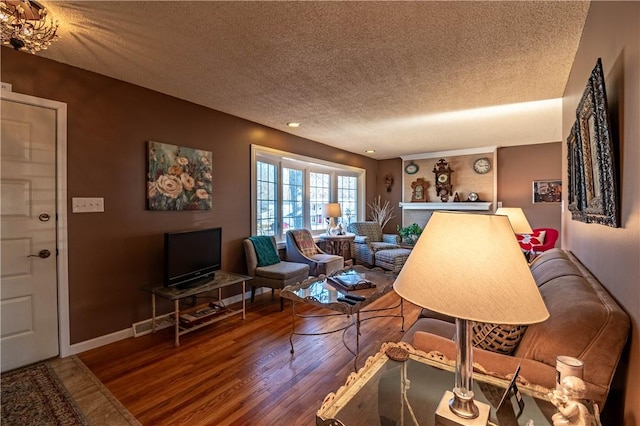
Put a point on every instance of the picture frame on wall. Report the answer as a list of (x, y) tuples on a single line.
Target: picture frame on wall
[(178, 178), (601, 202), (547, 191), (575, 178)]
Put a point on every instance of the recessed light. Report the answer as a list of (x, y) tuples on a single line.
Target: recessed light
[(370, 151), (293, 124)]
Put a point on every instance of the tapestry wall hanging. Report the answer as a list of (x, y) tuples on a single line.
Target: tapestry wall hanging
[(178, 178)]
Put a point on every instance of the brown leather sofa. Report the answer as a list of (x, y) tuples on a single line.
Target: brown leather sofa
[(585, 322)]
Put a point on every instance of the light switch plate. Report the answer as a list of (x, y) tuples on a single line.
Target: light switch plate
[(87, 205)]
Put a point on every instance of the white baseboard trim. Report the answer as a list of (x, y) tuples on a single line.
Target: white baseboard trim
[(116, 336)]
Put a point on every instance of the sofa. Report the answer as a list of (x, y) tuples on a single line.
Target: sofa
[(585, 322)]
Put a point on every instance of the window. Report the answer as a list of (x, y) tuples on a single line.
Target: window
[(348, 198), (319, 188), (289, 191), (292, 199), (266, 198)]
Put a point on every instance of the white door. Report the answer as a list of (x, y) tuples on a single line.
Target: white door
[(28, 287)]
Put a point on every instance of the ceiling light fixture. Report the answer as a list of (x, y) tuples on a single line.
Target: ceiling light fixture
[(370, 151), (293, 124), (25, 25)]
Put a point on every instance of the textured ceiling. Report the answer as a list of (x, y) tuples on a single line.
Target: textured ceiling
[(358, 75)]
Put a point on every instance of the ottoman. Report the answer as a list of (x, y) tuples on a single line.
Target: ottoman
[(392, 259)]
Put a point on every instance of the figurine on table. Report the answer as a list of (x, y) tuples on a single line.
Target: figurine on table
[(571, 411)]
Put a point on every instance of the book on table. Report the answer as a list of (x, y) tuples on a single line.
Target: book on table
[(349, 280)]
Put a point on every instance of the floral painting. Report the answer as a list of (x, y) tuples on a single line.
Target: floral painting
[(178, 178)]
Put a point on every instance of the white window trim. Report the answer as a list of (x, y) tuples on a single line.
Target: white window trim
[(291, 160)]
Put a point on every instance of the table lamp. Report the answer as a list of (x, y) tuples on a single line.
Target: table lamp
[(331, 211), (470, 267), (518, 220)]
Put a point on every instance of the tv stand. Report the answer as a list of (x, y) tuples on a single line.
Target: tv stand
[(176, 294), (195, 283)]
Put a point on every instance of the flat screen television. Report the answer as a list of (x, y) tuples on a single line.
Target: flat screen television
[(191, 257)]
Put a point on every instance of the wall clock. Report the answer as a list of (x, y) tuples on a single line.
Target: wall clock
[(419, 188), (443, 179), (411, 168), (482, 165)]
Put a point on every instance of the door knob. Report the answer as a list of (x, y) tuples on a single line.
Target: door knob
[(44, 217), (42, 254)]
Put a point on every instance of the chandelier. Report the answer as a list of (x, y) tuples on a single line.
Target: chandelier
[(25, 25)]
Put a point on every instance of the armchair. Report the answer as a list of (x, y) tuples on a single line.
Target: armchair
[(542, 239), (274, 275), (302, 249), (370, 239)]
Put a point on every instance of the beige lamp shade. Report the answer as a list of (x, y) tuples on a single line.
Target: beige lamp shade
[(470, 266), (331, 210), (518, 220)]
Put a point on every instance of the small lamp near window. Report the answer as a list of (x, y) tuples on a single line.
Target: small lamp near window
[(448, 272), (332, 211)]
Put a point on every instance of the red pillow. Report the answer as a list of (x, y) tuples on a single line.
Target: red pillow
[(530, 241)]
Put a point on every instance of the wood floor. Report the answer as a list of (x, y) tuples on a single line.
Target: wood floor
[(239, 372)]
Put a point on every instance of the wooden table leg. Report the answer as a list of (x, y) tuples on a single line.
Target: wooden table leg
[(177, 322), (153, 313), (244, 310)]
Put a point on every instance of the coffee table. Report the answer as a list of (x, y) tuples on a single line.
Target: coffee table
[(321, 293), (388, 392)]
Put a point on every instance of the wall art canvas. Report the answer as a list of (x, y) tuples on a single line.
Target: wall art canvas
[(178, 178), (547, 191)]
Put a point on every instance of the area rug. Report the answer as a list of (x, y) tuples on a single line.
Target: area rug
[(33, 395)]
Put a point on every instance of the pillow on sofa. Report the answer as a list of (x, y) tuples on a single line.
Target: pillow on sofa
[(498, 338), (529, 241)]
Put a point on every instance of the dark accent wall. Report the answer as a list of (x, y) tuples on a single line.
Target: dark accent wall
[(113, 254), (518, 167)]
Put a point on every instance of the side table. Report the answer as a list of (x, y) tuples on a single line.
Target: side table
[(176, 294), (388, 392), (340, 245)]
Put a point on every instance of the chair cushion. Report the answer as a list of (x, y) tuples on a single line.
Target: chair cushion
[(377, 246), (265, 251), (281, 270), (373, 230), (304, 241)]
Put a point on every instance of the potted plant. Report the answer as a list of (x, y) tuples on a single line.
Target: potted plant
[(409, 234)]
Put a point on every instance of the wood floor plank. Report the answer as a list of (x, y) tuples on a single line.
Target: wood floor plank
[(238, 371)]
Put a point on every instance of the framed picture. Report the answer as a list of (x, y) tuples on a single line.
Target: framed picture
[(178, 178), (575, 174), (547, 191), (598, 156)]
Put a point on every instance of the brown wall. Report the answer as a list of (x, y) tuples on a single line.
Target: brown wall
[(518, 167), (113, 254), (394, 168), (612, 33)]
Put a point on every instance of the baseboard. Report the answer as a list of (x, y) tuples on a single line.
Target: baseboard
[(141, 328)]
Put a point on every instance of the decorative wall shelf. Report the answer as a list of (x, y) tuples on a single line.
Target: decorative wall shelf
[(478, 205)]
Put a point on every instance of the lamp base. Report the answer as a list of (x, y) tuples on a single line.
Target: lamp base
[(446, 417)]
